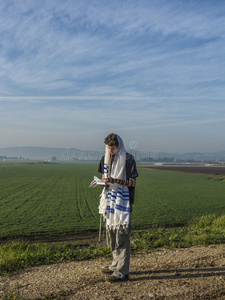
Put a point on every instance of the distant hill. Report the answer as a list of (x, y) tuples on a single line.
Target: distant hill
[(39, 153), (197, 156), (69, 154)]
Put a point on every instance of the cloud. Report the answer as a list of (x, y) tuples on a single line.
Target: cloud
[(152, 125), (67, 115), (136, 67), (50, 48)]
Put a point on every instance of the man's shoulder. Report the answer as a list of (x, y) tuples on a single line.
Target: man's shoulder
[(131, 166), (129, 157)]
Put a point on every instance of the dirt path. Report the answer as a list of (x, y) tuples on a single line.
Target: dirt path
[(191, 273)]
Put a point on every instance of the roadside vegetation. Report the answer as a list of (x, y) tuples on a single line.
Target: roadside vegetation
[(15, 255)]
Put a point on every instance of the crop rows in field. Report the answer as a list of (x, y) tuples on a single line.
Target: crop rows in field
[(56, 199), (47, 199), (171, 198)]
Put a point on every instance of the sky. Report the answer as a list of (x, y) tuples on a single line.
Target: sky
[(152, 71)]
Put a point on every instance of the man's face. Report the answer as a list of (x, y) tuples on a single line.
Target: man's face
[(112, 149)]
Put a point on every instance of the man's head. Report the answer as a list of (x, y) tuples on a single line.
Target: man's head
[(112, 143)]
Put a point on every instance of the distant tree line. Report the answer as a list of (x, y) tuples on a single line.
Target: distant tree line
[(177, 160), (3, 157), (164, 159)]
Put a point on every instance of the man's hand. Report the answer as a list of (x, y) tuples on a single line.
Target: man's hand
[(109, 180)]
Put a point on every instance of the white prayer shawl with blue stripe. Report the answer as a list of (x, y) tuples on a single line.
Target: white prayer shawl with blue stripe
[(114, 202)]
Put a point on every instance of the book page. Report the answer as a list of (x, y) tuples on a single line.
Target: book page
[(96, 182)]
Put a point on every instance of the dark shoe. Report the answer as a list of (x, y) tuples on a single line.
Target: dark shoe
[(117, 279), (106, 270)]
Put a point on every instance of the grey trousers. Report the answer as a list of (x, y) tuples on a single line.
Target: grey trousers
[(120, 246)]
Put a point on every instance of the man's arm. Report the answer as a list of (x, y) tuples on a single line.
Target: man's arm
[(131, 182), (101, 167)]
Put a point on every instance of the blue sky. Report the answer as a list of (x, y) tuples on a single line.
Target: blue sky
[(152, 71)]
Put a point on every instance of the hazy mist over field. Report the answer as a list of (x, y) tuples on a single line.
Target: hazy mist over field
[(150, 70)]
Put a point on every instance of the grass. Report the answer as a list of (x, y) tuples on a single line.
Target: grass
[(172, 199), (47, 199), (54, 199), (205, 230), (200, 231), (19, 255)]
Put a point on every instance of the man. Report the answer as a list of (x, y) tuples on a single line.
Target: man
[(119, 173)]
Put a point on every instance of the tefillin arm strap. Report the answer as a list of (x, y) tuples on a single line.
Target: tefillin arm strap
[(129, 182)]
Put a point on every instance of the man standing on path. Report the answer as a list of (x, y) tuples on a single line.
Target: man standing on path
[(119, 173)]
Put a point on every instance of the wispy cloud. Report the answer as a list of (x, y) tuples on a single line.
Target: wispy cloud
[(96, 66), (70, 48)]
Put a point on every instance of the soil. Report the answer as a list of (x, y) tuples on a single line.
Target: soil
[(191, 273), (84, 238), (202, 170)]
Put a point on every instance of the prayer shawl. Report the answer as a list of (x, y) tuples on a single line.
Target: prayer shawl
[(114, 202)]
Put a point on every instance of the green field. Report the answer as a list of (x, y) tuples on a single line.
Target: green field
[(52, 199)]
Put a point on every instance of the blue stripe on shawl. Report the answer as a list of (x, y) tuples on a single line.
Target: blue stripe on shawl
[(109, 195), (123, 193), (122, 208), (113, 200), (120, 194), (124, 196), (111, 210), (120, 191), (110, 192)]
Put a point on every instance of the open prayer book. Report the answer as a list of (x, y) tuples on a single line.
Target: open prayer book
[(96, 182)]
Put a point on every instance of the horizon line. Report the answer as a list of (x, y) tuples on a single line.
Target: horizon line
[(70, 147)]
